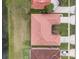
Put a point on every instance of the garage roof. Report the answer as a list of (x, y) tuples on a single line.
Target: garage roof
[(41, 29), (45, 53)]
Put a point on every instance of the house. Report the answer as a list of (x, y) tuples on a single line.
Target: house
[(45, 53), (40, 4), (41, 29)]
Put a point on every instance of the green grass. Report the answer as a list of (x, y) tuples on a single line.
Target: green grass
[(72, 58), (23, 9), (72, 29), (10, 31), (25, 53), (34, 11), (64, 57), (65, 2), (63, 29), (65, 14), (26, 48), (64, 46), (47, 9), (72, 46), (10, 34), (72, 3)]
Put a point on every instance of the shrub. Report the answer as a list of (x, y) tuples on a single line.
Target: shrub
[(49, 8)]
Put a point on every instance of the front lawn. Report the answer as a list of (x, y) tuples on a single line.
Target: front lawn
[(63, 29), (72, 58), (72, 29), (72, 46), (65, 2), (73, 2), (64, 46), (64, 57), (65, 14)]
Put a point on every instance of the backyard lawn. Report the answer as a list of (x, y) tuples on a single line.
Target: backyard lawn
[(18, 28)]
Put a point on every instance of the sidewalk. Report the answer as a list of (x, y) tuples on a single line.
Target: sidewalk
[(65, 39), (70, 53), (66, 19), (65, 9)]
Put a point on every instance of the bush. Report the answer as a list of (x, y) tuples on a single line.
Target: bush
[(47, 9)]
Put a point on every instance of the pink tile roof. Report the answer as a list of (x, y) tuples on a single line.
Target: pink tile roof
[(39, 4), (41, 29)]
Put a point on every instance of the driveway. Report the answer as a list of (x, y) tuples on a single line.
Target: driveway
[(67, 19), (66, 39)]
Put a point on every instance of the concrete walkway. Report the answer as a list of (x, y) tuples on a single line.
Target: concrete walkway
[(70, 53), (56, 3), (66, 19), (66, 39), (65, 9)]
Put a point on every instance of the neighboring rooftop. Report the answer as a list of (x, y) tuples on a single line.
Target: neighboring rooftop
[(40, 4), (41, 29), (45, 53)]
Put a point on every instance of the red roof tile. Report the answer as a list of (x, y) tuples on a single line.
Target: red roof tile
[(41, 29), (40, 4), (45, 53)]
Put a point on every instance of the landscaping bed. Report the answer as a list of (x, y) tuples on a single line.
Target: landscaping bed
[(47, 9)]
